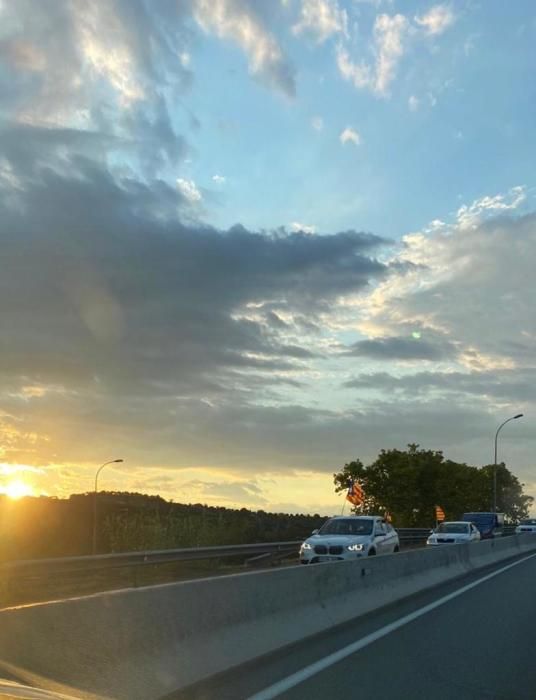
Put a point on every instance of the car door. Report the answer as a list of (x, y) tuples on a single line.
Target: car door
[(390, 540), (380, 537)]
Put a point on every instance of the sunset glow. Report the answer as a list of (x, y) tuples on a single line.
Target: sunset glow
[(17, 489)]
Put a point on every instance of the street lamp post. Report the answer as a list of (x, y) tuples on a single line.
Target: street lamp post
[(519, 415), (112, 461)]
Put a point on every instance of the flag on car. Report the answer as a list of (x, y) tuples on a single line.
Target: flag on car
[(388, 517), (355, 494), (439, 513)]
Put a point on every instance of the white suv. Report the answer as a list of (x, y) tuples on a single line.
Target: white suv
[(350, 537)]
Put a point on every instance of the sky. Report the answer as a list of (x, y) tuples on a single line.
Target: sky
[(246, 242)]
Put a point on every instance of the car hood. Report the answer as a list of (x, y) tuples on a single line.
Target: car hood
[(340, 540), (449, 536)]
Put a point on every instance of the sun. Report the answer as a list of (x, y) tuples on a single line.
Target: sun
[(17, 489)]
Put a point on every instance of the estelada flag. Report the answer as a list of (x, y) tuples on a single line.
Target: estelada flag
[(355, 493), (439, 513)]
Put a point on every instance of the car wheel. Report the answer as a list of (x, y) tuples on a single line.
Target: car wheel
[(396, 549), (371, 552)]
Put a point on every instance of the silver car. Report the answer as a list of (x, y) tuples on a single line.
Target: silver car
[(528, 525), (455, 532), (350, 537)]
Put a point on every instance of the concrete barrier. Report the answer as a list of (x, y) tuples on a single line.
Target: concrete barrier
[(140, 644)]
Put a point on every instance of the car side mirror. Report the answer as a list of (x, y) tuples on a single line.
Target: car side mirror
[(314, 532)]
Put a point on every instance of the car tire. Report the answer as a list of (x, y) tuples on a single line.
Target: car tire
[(396, 549), (372, 553)]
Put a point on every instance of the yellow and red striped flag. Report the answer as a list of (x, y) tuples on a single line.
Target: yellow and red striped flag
[(355, 494), (439, 513)]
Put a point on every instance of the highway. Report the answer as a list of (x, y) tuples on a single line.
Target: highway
[(471, 639)]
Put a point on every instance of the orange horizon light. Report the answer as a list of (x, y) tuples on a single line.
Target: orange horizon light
[(17, 489)]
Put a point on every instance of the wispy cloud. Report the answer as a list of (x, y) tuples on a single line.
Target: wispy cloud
[(219, 179), (437, 20), (321, 19), (413, 103), (189, 189), (390, 34), (350, 135), (471, 215), (237, 21)]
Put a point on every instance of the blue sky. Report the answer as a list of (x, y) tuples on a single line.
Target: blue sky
[(249, 241), (452, 127)]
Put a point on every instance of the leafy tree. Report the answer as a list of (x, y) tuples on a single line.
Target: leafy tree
[(510, 497), (409, 483)]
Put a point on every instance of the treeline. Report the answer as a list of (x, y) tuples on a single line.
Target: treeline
[(52, 527), (410, 483)]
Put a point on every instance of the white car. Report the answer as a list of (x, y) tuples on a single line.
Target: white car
[(455, 532), (350, 537), (528, 525)]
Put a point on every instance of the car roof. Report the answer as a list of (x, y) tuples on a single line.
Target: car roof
[(455, 522)]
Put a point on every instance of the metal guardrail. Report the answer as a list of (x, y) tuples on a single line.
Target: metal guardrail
[(123, 559), (162, 556)]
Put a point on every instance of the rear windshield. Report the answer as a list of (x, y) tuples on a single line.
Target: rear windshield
[(487, 519), (485, 522), (346, 526), (460, 528)]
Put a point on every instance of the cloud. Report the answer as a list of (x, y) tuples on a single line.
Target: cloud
[(321, 19), (468, 282), (130, 318), (400, 348), (189, 190), (390, 33), (231, 492), (317, 123), (304, 228), (219, 179), (437, 20), (512, 385), (99, 68), (237, 21), (413, 103), (349, 135), (470, 216)]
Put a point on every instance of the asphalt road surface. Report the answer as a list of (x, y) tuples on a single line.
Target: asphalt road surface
[(472, 639)]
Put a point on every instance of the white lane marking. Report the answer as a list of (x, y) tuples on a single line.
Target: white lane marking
[(295, 679)]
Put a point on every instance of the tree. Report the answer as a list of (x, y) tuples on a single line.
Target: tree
[(510, 497), (409, 483)]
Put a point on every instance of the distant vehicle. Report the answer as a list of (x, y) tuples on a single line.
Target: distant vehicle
[(528, 525), (350, 537), (455, 532), (489, 524)]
